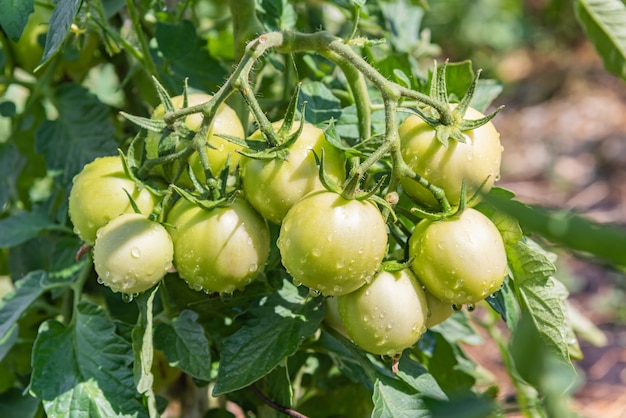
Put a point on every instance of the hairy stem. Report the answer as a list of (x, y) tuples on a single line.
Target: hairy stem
[(287, 411)]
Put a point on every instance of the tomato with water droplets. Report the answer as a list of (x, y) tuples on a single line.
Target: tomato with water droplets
[(219, 150), (98, 195), (132, 253), (331, 244), (273, 186), (218, 250), (460, 259), (387, 315), (475, 162)]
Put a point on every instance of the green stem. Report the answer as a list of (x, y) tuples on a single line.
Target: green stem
[(146, 58), (246, 25)]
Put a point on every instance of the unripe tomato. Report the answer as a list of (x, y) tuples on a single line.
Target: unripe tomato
[(98, 195), (225, 122), (219, 250), (29, 48), (476, 161), (460, 259), (438, 310), (273, 186), (387, 315), (331, 244), (332, 317), (132, 253)]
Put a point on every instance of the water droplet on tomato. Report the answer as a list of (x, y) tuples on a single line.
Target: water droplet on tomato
[(470, 307), (314, 293), (127, 297), (253, 267), (338, 289), (297, 282), (316, 252), (226, 297), (135, 252)]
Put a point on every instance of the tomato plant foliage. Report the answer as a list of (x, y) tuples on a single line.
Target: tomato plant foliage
[(294, 248)]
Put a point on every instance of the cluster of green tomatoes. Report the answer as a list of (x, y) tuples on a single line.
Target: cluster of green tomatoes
[(335, 245)]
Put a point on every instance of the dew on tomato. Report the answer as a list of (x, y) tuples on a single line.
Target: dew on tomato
[(386, 315), (436, 248)]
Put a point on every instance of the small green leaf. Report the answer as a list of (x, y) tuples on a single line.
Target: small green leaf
[(416, 376), (392, 399), (185, 345), (321, 103), (271, 331), (603, 21), (14, 16), (19, 228), (60, 22), (504, 302), (84, 369)]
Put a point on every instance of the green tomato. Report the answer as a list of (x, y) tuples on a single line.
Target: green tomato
[(331, 244), (219, 250), (438, 310), (332, 317), (474, 162), (273, 186), (387, 315), (132, 253), (460, 259), (220, 150), (29, 48), (98, 195)]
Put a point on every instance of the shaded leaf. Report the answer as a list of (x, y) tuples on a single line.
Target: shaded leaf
[(185, 345), (14, 16), (271, 330), (26, 291), (19, 228), (85, 368), (80, 134), (60, 22), (11, 163), (321, 103)]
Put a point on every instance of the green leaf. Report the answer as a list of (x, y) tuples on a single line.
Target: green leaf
[(60, 22), (604, 241), (11, 163), (416, 376), (277, 14), (191, 61), (603, 21), (541, 295), (15, 303), (19, 228), (8, 338), (457, 328), (13, 403), (185, 345), (448, 364), (143, 349), (393, 400), (505, 303), (271, 331), (321, 103), (84, 369), (14, 16), (81, 133)]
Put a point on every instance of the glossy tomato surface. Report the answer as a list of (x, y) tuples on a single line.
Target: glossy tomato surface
[(461, 259), (218, 250), (273, 186), (387, 315), (132, 253), (98, 195), (331, 244), (476, 162)]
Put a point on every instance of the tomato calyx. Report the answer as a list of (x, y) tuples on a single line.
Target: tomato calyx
[(450, 126)]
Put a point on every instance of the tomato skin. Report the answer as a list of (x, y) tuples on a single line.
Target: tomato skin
[(332, 317), (225, 122), (386, 315), (97, 196), (132, 253), (273, 186), (331, 244), (218, 250), (438, 310), (460, 259), (476, 161)]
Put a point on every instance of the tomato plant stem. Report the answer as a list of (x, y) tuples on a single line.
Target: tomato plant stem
[(287, 411), (146, 58)]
